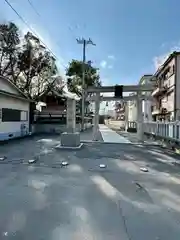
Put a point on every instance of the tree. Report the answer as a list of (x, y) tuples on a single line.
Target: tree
[(9, 45), (74, 74), (36, 65), (26, 62)]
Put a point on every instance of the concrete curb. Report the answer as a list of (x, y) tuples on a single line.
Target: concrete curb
[(60, 147)]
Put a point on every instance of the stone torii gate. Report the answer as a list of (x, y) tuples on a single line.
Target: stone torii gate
[(139, 89)]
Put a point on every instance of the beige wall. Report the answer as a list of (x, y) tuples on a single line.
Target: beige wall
[(13, 103), (170, 81)]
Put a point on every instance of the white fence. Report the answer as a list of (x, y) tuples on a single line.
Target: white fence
[(170, 130)]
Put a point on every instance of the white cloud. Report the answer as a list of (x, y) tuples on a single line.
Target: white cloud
[(103, 64), (111, 57), (159, 60)]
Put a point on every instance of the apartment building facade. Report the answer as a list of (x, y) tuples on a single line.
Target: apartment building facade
[(166, 95)]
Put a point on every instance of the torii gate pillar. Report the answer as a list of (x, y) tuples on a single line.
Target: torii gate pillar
[(96, 117), (139, 118)]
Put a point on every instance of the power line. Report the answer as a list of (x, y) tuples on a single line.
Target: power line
[(69, 27), (24, 21), (33, 7), (39, 15)]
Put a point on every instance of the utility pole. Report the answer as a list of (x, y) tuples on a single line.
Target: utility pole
[(84, 42)]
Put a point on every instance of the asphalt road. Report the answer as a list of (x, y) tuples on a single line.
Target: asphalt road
[(82, 201)]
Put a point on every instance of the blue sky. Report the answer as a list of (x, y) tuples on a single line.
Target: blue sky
[(131, 36)]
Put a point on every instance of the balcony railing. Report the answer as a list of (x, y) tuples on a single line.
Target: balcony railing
[(155, 111), (159, 110), (159, 91)]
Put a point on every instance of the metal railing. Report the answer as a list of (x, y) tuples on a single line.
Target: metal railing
[(167, 130)]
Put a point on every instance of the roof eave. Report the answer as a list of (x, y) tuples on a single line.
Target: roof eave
[(15, 96), (8, 80)]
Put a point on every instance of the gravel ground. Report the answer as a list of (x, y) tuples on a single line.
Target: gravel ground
[(83, 201)]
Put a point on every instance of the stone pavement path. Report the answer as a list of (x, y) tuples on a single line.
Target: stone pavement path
[(111, 136), (82, 201), (132, 137)]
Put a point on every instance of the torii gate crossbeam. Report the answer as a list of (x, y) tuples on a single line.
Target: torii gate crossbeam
[(126, 88)]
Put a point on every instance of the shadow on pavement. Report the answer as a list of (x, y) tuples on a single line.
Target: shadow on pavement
[(46, 201)]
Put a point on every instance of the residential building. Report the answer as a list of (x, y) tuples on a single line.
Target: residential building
[(166, 104), (119, 110), (14, 111), (146, 103)]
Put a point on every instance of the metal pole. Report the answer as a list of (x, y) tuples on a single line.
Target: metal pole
[(83, 84), (84, 42)]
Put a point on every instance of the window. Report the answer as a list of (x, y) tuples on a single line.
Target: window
[(14, 115), (24, 115), (173, 69), (10, 115)]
